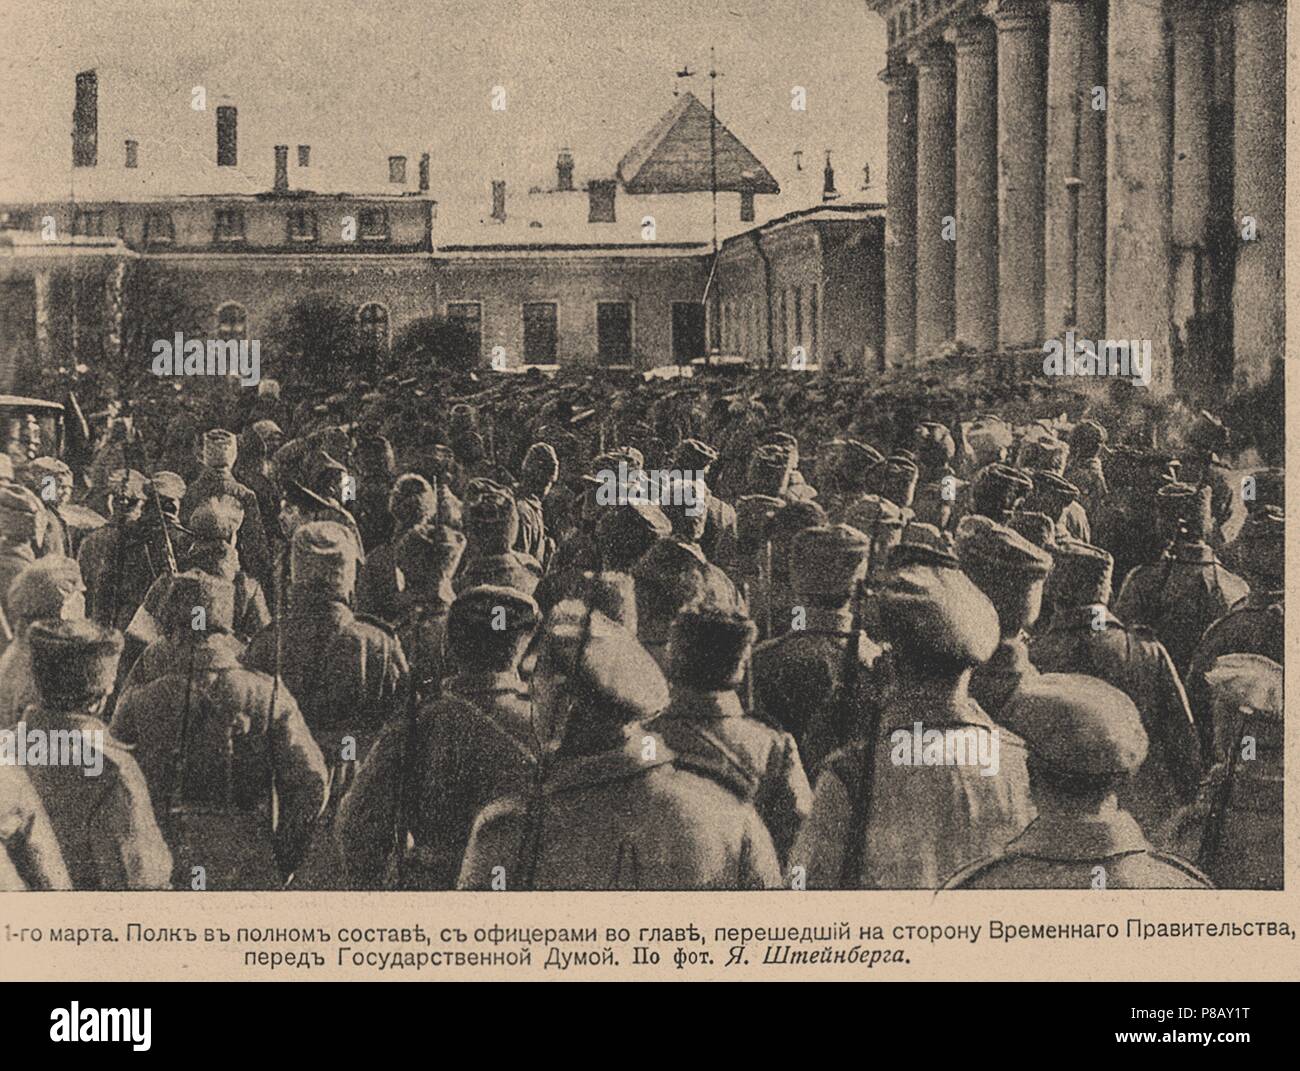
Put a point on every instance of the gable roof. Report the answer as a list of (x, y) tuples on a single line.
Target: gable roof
[(674, 156)]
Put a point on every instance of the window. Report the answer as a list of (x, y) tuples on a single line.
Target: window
[(227, 136), (373, 320), (746, 206), (812, 318), (159, 229), (397, 170), (232, 322), (230, 225), (798, 316), (540, 332), (469, 315), (132, 153), (302, 225), (304, 156), (374, 224), (600, 201), (614, 331), (88, 223)]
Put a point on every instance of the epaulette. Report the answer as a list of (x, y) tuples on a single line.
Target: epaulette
[(1181, 864), (973, 870)]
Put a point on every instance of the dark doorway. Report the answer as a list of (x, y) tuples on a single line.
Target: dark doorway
[(614, 331), (688, 331)]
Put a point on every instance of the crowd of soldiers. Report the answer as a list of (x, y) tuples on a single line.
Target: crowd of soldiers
[(401, 640)]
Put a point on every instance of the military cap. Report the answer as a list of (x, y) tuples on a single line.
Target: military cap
[(1082, 575), (492, 606), (828, 559), (871, 512), (1048, 482), (1075, 725), (267, 430), (19, 509), (218, 519), (630, 455), (74, 662), (695, 454), (795, 517), (541, 462), (993, 549), (168, 485), (770, 468), (1245, 683), (627, 531), (492, 516), (707, 648), (1045, 454), (1036, 527), (603, 662), (323, 470), (428, 555), (1087, 438), (44, 588), (933, 444), (1187, 504), (612, 593), (128, 485), (930, 610), (989, 434), (220, 448), (412, 500), (895, 479), (782, 439), (38, 469), (924, 544), (194, 590), (323, 554), (1261, 546)]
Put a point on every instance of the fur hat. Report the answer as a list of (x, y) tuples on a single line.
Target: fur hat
[(709, 648), (74, 662)]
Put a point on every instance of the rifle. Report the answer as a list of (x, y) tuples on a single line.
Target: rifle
[(749, 669), (404, 802), (1210, 842), (141, 467), (844, 701)]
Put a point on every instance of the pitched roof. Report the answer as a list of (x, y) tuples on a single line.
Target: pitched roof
[(675, 157)]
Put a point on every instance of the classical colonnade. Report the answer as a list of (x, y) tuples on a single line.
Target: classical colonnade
[(1113, 166)]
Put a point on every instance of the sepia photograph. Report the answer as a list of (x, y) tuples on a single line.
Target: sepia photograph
[(678, 449)]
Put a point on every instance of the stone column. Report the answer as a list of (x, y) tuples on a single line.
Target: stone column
[(900, 213), (1022, 149), (1259, 190), (936, 195), (1138, 225), (977, 185), (1075, 196)]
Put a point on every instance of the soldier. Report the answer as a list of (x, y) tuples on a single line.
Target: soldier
[(412, 502), (882, 522), (170, 491), (540, 470), (50, 480), (1058, 498), (1084, 636), (1182, 594), (219, 451), (695, 457), (235, 777), (427, 557), (214, 532), (23, 523), (888, 815), (1259, 490), (1234, 828), (708, 656), (105, 825), (798, 677), (1011, 571), (376, 472), (474, 743), (1085, 469), (48, 588), (998, 490), (331, 482), (491, 529), (984, 441), (896, 479), (346, 671), (1202, 466), (1085, 739), (613, 812), (847, 471), (30, 860), (938, 487)]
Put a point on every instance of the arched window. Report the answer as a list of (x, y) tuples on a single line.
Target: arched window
[(373, 319), (232, 321)]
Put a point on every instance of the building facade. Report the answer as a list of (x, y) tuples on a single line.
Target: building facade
[(1112, 166)]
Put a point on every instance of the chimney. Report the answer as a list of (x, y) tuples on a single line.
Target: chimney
[(499, 200), (564, 170), (397, 170), (829, 192), (132, 153), (227, 136), (281, 169), (424, 172), (85, 121), (304, 156)]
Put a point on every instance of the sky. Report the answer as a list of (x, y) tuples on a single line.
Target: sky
[(363, 80)]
